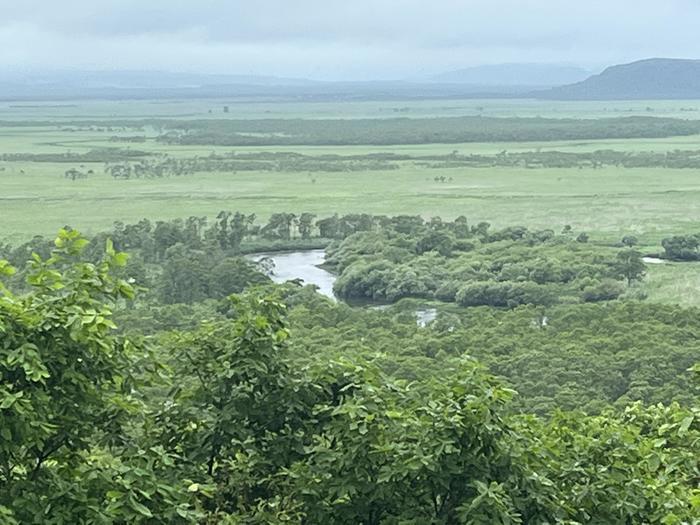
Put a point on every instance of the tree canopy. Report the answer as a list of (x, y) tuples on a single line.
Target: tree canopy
[(232, 422)]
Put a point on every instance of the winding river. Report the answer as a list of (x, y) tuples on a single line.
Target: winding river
[(302, 265), (305, 265)]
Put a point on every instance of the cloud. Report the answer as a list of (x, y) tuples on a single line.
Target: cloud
[(340, 38)]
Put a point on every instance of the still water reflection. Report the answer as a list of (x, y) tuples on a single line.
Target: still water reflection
[(302, 265)]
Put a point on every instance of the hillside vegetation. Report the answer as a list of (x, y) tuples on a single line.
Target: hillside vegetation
[(226, 423)]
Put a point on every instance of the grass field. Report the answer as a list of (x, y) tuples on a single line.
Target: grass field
[(256, 108), (52, 140), (650, 203), (610, 202), (674, 283)]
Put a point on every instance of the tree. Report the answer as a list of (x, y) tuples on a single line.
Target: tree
[(222, 233), (390, 452), (481, 229), (438, 240), (682, 247), (66, 398), (305, 224), (329, 228), (184, 276), (238, 231), (165, 235), (629, 241), (279, 226), (233, 275), (630, 266), (461, 227), (234, 415)]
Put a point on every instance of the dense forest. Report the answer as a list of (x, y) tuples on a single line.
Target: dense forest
[(477, 267), (377, 258), (177, 384)]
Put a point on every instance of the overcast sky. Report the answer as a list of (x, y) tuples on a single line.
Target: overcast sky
[(340, 39)]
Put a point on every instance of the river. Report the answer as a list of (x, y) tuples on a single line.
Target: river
[(302, 265)]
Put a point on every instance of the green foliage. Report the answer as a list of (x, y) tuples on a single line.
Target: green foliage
[(630, 265), (637, 467), (250, 132), (230, 423), (587, 356), (682, 247), (66, 396), (503, 268)]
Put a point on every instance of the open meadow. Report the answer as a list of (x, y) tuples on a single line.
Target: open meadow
[(607, 202)]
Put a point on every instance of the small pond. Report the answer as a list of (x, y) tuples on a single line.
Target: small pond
[(654, 260)]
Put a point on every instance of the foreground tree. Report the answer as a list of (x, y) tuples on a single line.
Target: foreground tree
[(66, 394)]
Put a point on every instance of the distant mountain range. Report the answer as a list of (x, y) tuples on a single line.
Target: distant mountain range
[(655, 78), (127, 79), (535, 75), (116, 85)]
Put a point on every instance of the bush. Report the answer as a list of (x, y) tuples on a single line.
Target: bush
[(604, 290), (510, 294)]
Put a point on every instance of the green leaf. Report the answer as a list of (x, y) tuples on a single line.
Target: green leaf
[(120, 259), (138, 507), (685, 424), (6, 269)]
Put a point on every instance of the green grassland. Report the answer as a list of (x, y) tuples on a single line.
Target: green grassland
[(651, 203), (673, 283), (242, 108), (648, 202)]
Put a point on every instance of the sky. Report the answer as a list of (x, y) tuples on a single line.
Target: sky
[(340, 39)]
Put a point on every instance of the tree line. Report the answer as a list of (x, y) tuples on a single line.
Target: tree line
[(377, 258), (445, 130)]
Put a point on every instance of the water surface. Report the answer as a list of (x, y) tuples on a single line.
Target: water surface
[(303, 265)]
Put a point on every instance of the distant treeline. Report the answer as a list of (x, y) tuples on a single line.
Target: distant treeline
[(94, 155), (678, 159), (134, 164), (297, 162), (417, 131), (259, 161), (449, 130), (379, 258)]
